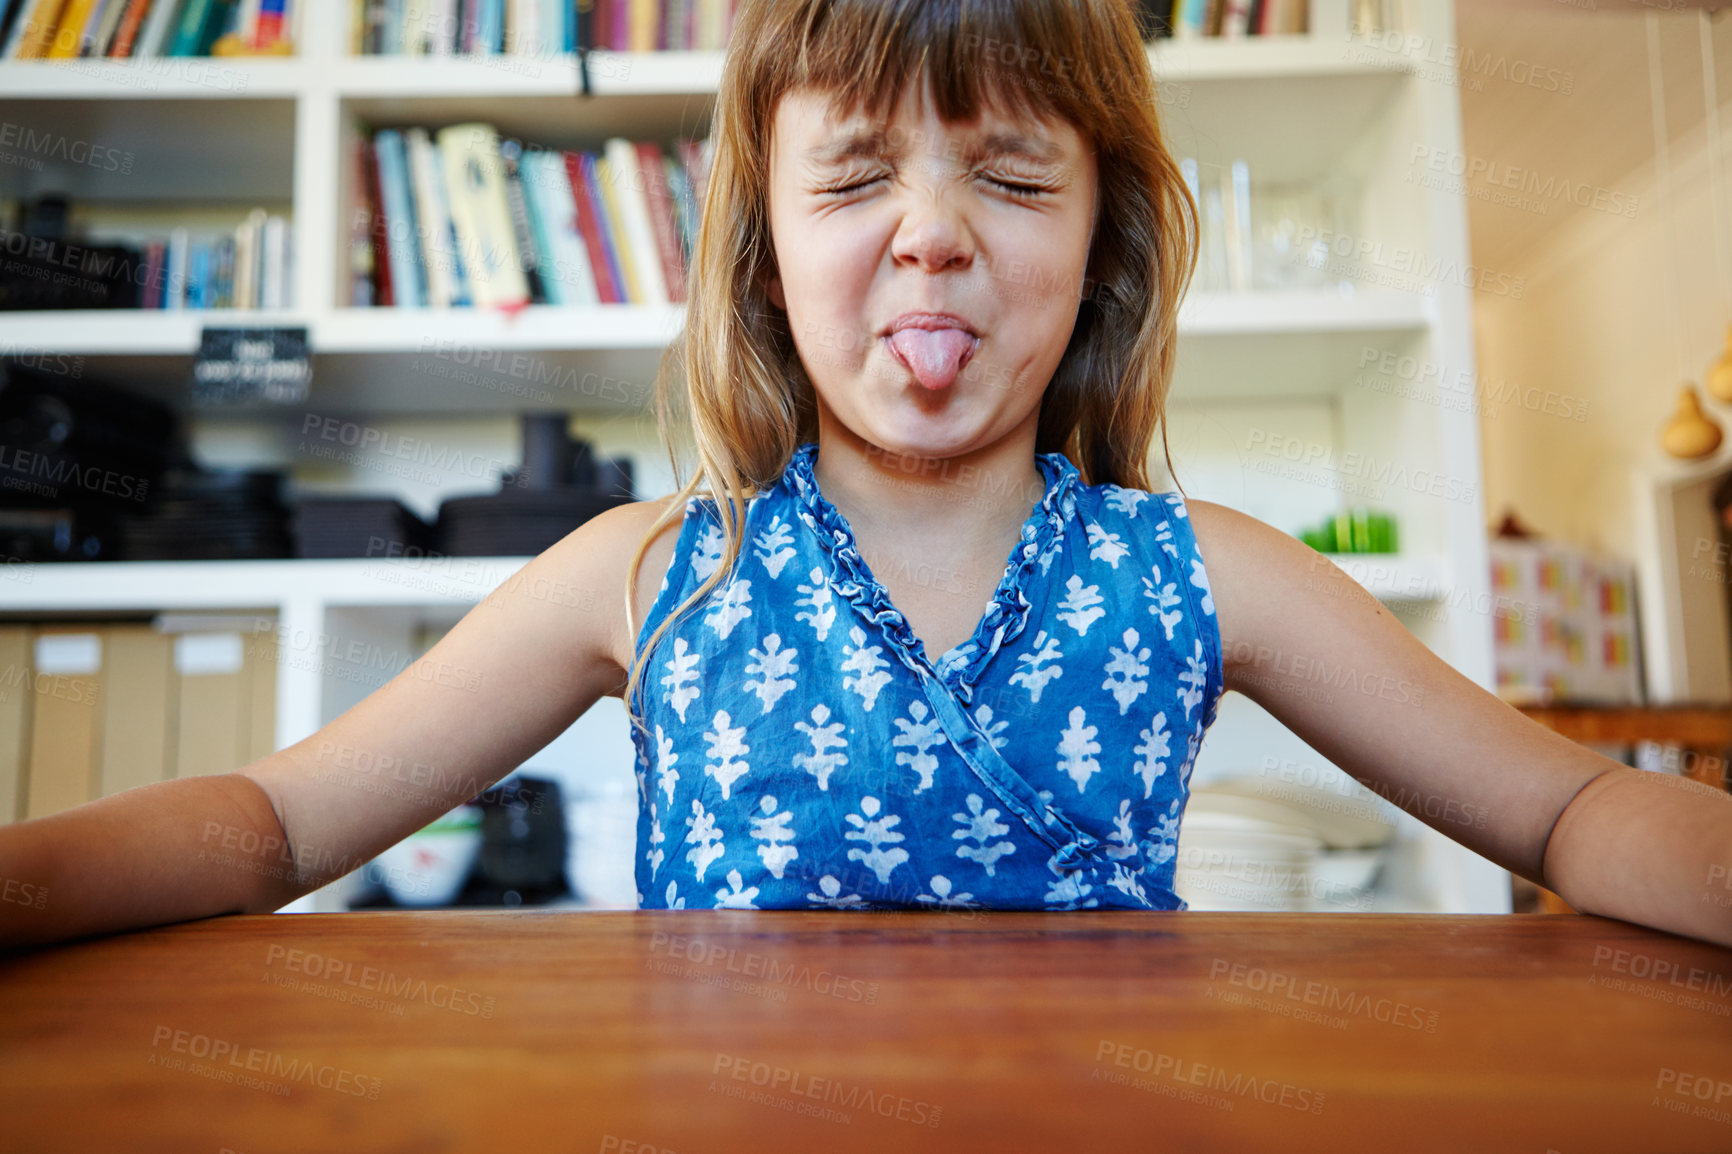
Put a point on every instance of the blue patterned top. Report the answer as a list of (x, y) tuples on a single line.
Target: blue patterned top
[(803, 752)]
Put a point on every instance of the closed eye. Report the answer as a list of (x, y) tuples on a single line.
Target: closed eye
[(844, 189), (1017, 188)]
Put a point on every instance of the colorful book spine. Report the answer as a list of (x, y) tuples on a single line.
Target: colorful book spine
[(659, 201), (36, 30), (400, 222), (196, 20), (632, 203), (379, 232), (272, 24), (591, 223), (157, 26), (103, 26), (431, 232), (482, 214), (522, 226), (570, 277)]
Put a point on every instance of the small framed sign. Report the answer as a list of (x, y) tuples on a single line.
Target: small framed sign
[(251, 366)]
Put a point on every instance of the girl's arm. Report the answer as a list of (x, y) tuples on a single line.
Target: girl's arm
[(1310, 645), (508, 678)]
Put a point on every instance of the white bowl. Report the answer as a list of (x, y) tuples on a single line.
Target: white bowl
[(429, 868)]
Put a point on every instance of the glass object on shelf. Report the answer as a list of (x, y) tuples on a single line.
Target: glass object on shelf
[(1224, 247), (1355, 530), (1259, 237), (1288, 224)]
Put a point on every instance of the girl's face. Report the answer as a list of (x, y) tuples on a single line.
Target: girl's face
[(930, 271)]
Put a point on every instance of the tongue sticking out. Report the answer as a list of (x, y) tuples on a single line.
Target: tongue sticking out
[(934, 356)]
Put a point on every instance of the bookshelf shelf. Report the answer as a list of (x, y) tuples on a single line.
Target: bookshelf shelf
[(127, 332), (544, 327), (432, 583), (538, 327), (610, 74), (186, 77), (1271, 58), (143, 586), (1277, 58), (1301, 312)]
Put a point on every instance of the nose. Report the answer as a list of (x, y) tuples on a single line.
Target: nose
[(933, 235)]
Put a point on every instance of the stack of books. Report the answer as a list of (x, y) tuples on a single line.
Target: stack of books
[(1228, 19), (537, 27), (123, 29), (462, 217), (250, 269)]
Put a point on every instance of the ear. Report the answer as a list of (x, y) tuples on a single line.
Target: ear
[(773, 286)]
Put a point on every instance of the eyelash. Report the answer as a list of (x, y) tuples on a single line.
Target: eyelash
[(1011, 188)]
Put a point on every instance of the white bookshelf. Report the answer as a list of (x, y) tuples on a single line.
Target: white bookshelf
[(1315, 109)]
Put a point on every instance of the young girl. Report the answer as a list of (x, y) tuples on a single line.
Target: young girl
[(916, 633)]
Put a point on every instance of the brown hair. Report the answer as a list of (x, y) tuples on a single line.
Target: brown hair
[(750, 401)]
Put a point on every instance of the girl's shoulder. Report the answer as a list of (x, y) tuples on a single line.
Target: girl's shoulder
[(627, 526)]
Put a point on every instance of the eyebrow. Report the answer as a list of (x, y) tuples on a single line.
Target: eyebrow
[(874, 144)]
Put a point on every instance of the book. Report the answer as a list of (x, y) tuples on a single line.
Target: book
[(627, 195), (592, 225), (273, 270), (685, 209), (362, 275), (607, 194), (572, 280), (712, 21), (522, 228), (126, 33), (377, 228), (157, 25), (189, 33), (522, 27), (178, 256), (36, 30), (155, 273), (9, 10), (642, 26), (247, 257), (695, 157), (401, 226), (433, 232), (225, 274), (102, 28), (490, 29), (272, 26), (442, 27), (1235, 19), (69, 32), (474, 180), (198, 295), (659, 200)]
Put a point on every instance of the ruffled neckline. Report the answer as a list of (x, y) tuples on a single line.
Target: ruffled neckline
[(1006, 613)]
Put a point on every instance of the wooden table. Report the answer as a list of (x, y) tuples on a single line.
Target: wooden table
[(708, 1031)]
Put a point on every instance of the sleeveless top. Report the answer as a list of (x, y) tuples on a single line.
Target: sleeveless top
[(801, 751)]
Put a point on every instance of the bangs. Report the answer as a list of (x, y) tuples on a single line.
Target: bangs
[(1031, 59)]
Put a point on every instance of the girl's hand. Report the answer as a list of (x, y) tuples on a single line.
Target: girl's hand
[(1310, 645)]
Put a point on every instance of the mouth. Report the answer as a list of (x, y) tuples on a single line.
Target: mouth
[(935, 347)]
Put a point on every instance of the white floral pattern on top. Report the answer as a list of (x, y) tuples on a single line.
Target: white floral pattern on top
[(795, 755)]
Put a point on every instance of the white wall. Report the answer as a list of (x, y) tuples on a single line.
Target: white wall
[(1597, 325)]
